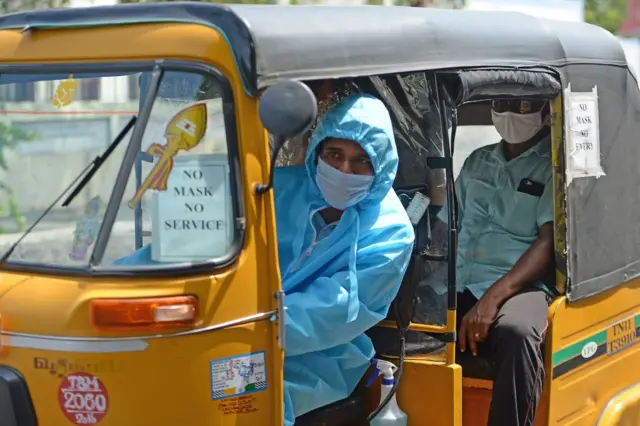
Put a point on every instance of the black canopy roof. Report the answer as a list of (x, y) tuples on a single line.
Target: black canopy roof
[(310, 42)]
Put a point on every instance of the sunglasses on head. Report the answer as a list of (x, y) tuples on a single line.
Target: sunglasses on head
[(521, 106)]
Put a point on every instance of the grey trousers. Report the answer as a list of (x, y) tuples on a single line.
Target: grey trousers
[(515, 347)]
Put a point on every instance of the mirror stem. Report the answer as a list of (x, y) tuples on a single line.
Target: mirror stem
[(261, 188)]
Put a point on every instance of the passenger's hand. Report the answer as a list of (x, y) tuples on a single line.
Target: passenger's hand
[(475, 324)]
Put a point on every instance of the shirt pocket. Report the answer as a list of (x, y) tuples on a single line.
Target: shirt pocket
[(521, 217)]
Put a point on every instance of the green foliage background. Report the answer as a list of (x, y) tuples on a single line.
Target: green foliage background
[(607, 14), (9, 137)]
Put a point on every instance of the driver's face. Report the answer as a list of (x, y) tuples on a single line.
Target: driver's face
[(346, 156)]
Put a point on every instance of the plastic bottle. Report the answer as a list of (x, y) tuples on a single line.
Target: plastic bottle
[(391, 414)]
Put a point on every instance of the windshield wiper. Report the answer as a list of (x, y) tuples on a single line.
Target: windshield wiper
[(87, 173), (99, 160)]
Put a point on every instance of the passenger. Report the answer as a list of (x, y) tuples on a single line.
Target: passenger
[(344, 242), (505, 248)]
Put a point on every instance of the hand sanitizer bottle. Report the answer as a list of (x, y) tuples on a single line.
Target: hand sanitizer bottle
[(391, 414)]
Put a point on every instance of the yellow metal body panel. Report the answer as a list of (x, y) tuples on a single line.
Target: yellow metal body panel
[(591, 379), (431, 393), (623, 409), (169, 382)]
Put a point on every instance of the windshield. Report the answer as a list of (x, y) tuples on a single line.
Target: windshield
[(177, 205)]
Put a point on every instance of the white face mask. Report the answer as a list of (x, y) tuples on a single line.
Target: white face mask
[(517, 128), (341, 190)]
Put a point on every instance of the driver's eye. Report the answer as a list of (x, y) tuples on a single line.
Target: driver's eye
[(525, 107), (331, 154)]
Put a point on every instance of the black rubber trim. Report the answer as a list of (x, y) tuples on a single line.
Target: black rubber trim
[(452, 201), (14, 390), (439, 162), (443, 337), (434, 258)]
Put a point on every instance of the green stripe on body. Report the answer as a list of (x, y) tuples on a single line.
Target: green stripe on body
[(563, 355), (577, 361), (570, 358)]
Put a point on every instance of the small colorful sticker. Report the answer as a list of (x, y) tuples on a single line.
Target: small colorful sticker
[(184, 132), (589, 350), (65, 92), (87, 229), (239, 375), (83, 398)]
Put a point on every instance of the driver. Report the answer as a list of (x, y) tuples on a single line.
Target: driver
[(344, 243)]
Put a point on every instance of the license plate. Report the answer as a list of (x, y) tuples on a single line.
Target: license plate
[(621, 335)]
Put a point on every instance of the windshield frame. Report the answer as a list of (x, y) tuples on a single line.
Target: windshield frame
[(178, 269)]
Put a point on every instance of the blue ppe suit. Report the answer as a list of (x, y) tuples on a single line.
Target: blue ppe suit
[(342, 285), (142, 256)]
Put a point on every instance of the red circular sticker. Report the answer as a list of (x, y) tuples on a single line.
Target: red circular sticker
[(83, 398)]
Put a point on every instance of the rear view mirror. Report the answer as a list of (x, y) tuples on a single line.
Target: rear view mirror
[(287, 109)]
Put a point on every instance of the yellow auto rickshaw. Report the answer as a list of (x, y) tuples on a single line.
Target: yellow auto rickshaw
[(92, 100)]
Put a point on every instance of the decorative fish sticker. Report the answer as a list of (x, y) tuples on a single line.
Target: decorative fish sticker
[(184, 132)]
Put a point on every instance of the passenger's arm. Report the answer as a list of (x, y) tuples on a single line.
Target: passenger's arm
[(317, 316)]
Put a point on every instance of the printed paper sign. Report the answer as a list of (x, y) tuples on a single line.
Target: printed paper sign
[(193, 218), (238, 375), (582, 134), (83, 398)]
